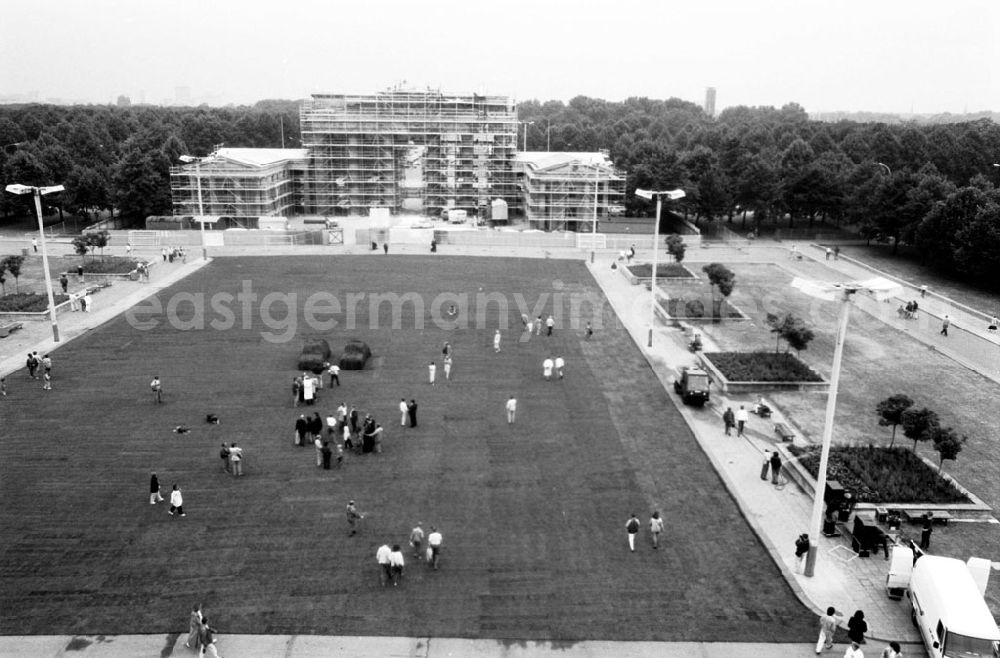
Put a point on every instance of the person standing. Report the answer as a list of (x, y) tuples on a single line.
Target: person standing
[(511, 410), (417, 539), (827, 627), (411, 409), (296, 391), (224, 456), (34, 244), (327, 454), (775, 467), (923, 291), (945, 323), (194, 628), (154, 489), (857, 627), (560, 364), (354, 419), (925, 531), (547, 365), (32, 364), (348, 443), (157, 389), (447, 368), (46, 381), (236, 457), (176, 502), (742, 416), (434, 541), (655, 528), (377, 438), (163, 252), (538, 326), (590, 331), (632, 527), (829, 252), (353, 516), (431, 373), (64, 282), (384, 568), (318, 444), (403, 409), (396, 564), (47, 364), (892, 651), (334, 371), (301, 427), (854, 651), (729, 420), (549, 325), (496, 341), (801, 551)]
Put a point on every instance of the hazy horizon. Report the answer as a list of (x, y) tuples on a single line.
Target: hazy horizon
[(890, 57)]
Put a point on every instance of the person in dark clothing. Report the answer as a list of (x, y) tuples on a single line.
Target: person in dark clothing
[(301, 427), (411, 409), (64, 282), (729, 420), (327, 455), (354, 420), (316, 425), (775, 466), (925, 532), (857, 627)]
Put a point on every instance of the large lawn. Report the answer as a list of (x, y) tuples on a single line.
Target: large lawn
[(532, 514)]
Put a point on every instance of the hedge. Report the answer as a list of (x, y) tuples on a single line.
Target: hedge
[(762, 367)]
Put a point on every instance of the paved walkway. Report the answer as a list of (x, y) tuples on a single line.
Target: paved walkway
[(777, 515)]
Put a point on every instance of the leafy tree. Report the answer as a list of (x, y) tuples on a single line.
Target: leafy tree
[(919, 424), (890, 411), (141, 186), (723, 280), (676, 247), (81, 245), (98, 240), (948, 444), (13, 265), (792, 329)]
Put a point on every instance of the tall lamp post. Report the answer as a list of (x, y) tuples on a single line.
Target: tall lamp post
[(880, 289), (201, 211), (673, 195), (593, 233), (525, 142), (37, 192)]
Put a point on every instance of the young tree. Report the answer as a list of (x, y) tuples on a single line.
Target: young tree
[(676, 247), (81, 244), (99, 240), (890, 411), (948, 444), (792, 329), (723, 280), (13, 265), (919, 424)]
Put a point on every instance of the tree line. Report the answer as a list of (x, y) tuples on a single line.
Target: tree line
[(932, 186)]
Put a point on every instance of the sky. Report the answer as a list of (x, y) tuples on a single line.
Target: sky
[(899, 56)]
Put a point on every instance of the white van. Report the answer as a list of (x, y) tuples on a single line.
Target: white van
[(951, 614)]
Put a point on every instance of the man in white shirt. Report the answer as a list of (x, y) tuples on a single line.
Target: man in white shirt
[(334, 371), (434, 543), (560, 364), (511, 410), (396, 564), (236, 457), (549, 324), (854, 651), (382, 557), (742, 416), (547, 366), (496, 341), (447, 368), (431, 372), (402, 412)]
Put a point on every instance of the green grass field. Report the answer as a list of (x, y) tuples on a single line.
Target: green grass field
[(532, 514)]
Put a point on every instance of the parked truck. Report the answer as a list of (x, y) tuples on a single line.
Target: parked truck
[(692, 386)]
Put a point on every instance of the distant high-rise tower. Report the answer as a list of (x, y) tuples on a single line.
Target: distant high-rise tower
[(710, 101)]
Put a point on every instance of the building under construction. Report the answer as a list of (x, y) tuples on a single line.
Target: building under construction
[(569, 191), (417, 151)]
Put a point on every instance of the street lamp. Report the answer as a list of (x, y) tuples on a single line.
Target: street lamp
[(673, 195), (201, 211), (37, 192), (593, 234), (526, 124), (881, 289)]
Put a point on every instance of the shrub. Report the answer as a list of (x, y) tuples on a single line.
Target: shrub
[(112, 265), (762, 367), (313, 362), (663, 271), (694, 309), (356, 354), (681, 308), (355, 346), (28, 302), (883, 475), (317, 346)]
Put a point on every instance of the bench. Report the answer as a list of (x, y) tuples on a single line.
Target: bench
[(917, 516), (8, 329), (784, 432)]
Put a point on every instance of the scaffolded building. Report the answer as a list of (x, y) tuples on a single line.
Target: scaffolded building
[(569, 191), (418, 151), (239, 182)]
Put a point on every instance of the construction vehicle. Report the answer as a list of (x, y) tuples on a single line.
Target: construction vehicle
[(692, 386)]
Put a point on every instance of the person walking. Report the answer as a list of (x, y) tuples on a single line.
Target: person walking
[(559, 364), (945, 323), (549, 325), (348, 442), (403, 412), (34, 244), (156, 388), (729, 420), (354, 419), (353, 516), (447, 368), (417, 539), (925, 531), (318, 444), (396, 564), (431, 373), (538, 326), (854, 651), (176, 502), (301, 427), (236, 457), (827, 627), (434, 541), (511, 410), (334, 371), (655, 528), (194, 628), (857, 627), (547, 366), (496, 341), (801, 551), (46, 381), (384, 568), (632, 527), (32, 364), (47, 364), (742, 416), (326, 453), (892, 651), (64, 282), (154, 489), (775, 467), (411, 409), (208, 640)]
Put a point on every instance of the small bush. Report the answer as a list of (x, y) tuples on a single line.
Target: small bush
[(312, 362), (882, 475), (762, 367), (317, 346), (112, 265), (353, 361), (355, 346), (683, 308), (694, 309), (28, 302)]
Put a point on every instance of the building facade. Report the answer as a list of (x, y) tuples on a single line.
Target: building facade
[(569, 191)]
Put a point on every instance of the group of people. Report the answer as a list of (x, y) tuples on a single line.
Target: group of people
[(173, 253), (232, 459), (306, 386), (201, 636), (391, 561), (35, 366), (532, 327), (857, 627), (908, 311), (633, 525)]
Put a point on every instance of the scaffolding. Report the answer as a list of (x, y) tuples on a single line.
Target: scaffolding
[(414, 150), (566, 191)]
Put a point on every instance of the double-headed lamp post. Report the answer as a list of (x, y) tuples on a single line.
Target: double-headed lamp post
[(37, 192), (880, 289), (201, 211), (673, 195)]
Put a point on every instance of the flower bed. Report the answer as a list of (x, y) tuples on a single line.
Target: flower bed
[(699, 308), (762, 367), (28, 302), (110, 265), (882, 475), (663, 271)]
